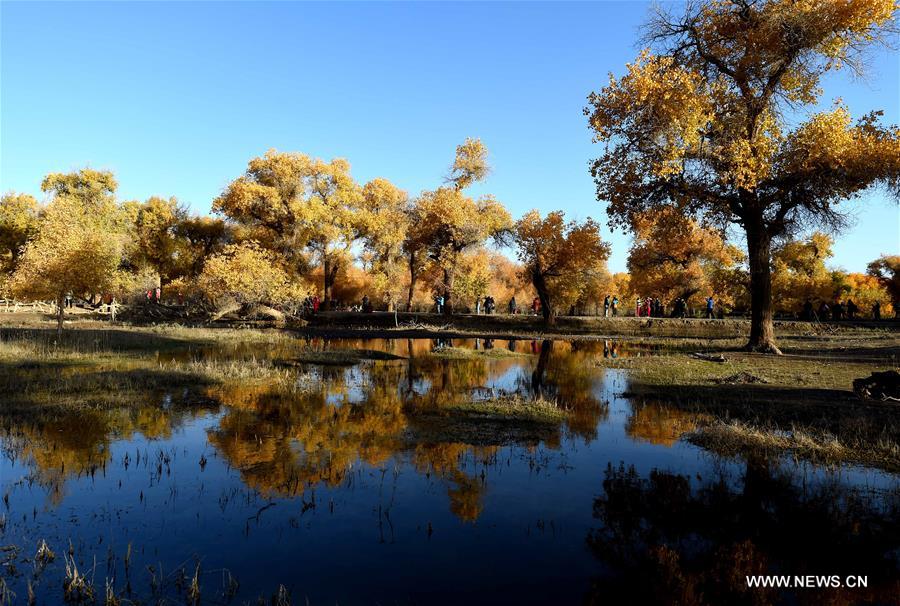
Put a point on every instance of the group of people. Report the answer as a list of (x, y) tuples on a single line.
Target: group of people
[(847, 310), (487, 305), (610, 306), (311, 305), (652, 307)]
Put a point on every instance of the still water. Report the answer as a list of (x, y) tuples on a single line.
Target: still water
[(354, 489)]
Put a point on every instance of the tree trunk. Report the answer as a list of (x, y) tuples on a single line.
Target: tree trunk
[(540, 285), (412, 281), (329, 274), (60, 301), (448, 290), (762, 328), (537, 376)]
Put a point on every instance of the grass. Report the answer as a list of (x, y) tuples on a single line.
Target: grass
[(734, 437), (800, 403), (96, 368), (511, 407), (460, 353)]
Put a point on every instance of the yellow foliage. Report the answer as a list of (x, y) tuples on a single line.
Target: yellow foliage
[(675, 257), (470, 165), (298, 203), (249, 274), (18, 223), (565, 262), (80, 242)]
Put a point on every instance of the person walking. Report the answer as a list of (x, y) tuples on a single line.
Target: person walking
[(511, 306), (615, 305), (851, 309), (837, 312), (807, 312), (876, 310), (606, 306), (710, 305)]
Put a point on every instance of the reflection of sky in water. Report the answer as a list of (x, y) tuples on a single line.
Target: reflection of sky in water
[(353, 509)]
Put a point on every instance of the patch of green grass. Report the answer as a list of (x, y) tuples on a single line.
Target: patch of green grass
[(682, 372), (90, 370)]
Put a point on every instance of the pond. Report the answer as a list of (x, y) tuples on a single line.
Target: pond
[(352, 488)]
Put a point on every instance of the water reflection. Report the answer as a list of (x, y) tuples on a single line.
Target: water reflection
[(62, 446), (355, 470), (670, 539)]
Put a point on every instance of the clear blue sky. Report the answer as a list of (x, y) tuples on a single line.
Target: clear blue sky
[(176, 97)]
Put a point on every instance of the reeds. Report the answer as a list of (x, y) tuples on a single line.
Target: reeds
[(77, 588)]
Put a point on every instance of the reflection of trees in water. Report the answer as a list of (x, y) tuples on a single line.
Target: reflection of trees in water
[(443, 460), (283, 439), (668, 543), (659, 424), (60, 446), (283, 442), (567, 376)]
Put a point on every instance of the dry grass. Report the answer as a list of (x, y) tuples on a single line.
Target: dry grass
[(106, 369), (511, 407), (800, 404), (460, 353), (735, 437)]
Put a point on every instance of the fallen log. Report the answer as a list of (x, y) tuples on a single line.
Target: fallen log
[(709, 357)]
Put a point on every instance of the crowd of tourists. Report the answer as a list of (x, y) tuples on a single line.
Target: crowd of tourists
[(611, 305), (838, 310)]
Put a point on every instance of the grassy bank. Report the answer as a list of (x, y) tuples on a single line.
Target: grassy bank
[(801, 403)]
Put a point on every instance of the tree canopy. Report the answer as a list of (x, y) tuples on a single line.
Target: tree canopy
[(559, 258), (699, 123), (299, 204), (675, 257), (80, 244)]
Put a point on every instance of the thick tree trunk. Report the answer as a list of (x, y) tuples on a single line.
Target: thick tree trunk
[(60, 302), (762, 328), (412, 282), (448, 291), (329, 274), (537, 376), (540, 285)]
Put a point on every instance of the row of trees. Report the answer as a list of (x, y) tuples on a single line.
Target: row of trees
[(700, 134), (293, 226)]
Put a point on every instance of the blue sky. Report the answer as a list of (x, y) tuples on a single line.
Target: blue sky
[(175, 98)]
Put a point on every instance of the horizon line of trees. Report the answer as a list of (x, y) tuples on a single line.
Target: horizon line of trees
[(292, 227)]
